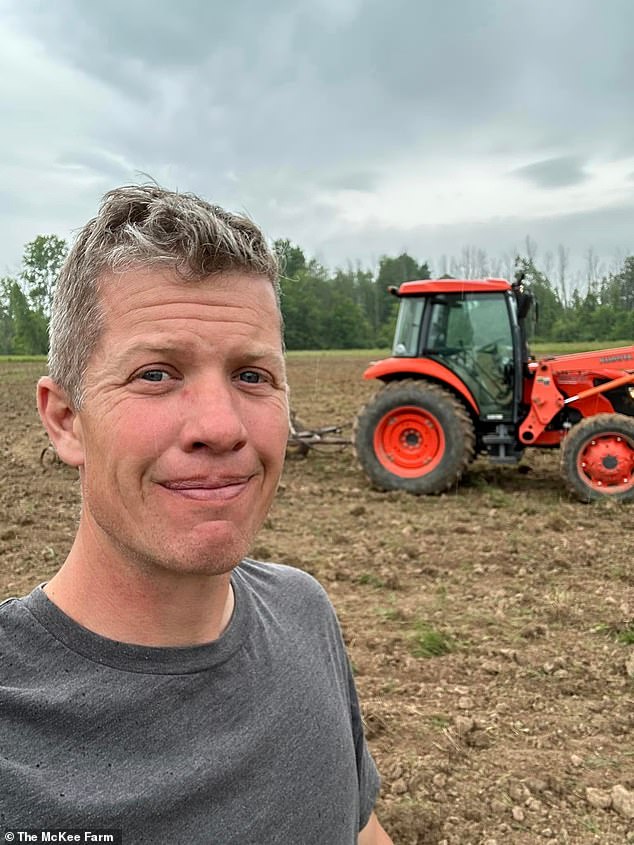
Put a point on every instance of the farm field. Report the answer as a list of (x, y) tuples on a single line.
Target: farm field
[(489, 628)]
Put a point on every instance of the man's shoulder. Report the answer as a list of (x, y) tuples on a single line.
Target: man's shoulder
[(7, 605), (265, 575), (291, 603), (284, 587), (11, 609), (19, 628)]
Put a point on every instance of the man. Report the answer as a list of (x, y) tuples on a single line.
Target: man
[(161, 683)]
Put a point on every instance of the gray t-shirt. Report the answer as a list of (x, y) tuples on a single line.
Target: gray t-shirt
[(254, 738)]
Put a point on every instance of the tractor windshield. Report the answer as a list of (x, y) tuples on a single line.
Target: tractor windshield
[(410, 316), (471, 335)]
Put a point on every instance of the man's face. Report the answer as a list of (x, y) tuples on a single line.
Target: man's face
[(185, 420)]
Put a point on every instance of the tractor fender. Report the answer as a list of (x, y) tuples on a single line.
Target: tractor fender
[(392, 368)]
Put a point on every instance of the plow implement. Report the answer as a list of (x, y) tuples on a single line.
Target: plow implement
[(301, 438)]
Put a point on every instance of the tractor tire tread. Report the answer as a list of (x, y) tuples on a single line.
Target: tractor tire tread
[(413, 391)]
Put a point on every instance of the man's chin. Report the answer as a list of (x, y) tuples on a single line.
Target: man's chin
[(211, 552), (211, 547)]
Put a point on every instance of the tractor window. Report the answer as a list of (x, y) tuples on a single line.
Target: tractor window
[(471, 335), (407, 333)]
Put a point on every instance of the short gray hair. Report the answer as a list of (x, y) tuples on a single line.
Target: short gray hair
[(143, 226)]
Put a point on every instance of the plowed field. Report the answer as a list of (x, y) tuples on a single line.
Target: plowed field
[(491, 629)]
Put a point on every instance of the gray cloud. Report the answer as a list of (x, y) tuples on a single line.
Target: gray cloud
[(352, 180), (385, 75), (554, 172), (95, 162)]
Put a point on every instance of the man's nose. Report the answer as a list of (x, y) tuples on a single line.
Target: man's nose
[(213, 417)]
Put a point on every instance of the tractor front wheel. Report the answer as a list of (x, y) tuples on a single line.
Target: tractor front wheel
[(597, 458), (414, 436)]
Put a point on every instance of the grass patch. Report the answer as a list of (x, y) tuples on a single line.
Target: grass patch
[(18, 359), (598, 762), (538, 349), (498, 498), (370, 354), (590, 824), (441, 593), (369, 579), (551, 348), (391, 614), (560, 605), (439, 721), (429, 642), (623, 634), (626, 636), (542, 348)]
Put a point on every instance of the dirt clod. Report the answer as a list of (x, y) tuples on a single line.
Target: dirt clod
[(623, 801), (598, 798)]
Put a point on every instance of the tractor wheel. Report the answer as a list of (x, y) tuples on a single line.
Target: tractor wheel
[(597, 458), (415, 436)]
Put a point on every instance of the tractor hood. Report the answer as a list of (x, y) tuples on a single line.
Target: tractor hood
[(620, 358)]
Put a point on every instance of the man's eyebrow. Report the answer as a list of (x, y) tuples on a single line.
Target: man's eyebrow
[(248, 355), (152, 349), (264, 353)]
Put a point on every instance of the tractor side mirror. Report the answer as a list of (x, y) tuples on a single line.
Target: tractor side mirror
[(524, 303)]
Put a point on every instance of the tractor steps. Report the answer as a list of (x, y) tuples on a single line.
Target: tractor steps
[(501, 445)]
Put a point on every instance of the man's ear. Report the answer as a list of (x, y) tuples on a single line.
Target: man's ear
[(61, 421)]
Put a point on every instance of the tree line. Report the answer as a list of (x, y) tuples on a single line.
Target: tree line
[(351, 308)]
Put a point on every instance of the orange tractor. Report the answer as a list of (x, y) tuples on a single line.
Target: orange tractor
[(461, 382)]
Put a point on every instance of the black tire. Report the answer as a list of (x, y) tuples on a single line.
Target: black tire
[(597, 458), (414, 435)]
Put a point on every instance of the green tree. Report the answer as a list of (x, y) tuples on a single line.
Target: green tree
[(30, 328), (305, 304), (618, 290), (291, 257), (621, 326), (393, 272), (354, 292), (6, 318), (41, 263), (346, 325)]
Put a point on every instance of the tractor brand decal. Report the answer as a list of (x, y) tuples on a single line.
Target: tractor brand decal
[(608, 359), (543, 380), (574, 377)]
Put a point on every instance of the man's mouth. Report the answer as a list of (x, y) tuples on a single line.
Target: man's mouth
[(208, 489)]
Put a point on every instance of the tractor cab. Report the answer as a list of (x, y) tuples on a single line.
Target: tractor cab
[(473, 329)]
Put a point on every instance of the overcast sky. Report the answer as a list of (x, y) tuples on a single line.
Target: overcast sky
[(352, 127)]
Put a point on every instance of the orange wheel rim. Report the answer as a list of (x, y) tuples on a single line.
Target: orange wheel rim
[(409, 442), (606, 463)]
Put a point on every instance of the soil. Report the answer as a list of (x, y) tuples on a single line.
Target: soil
[(491, 629)]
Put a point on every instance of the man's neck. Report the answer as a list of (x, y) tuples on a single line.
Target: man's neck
[(131, 604)]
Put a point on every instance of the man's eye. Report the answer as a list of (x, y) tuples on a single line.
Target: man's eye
[(154, 375), (251, 377)]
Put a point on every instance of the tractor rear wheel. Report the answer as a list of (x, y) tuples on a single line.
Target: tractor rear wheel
[(415, 436), (597, 458)]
